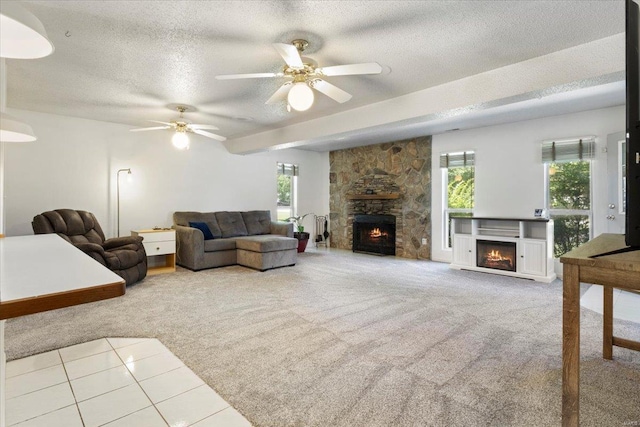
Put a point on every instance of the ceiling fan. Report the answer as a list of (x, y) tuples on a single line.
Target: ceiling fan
[(306, 75), (180, 139)]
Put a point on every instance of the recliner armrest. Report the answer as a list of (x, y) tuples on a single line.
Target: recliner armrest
[(117, 242), (89, 247)]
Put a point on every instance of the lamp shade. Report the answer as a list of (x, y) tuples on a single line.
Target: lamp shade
[(13, 130), (180, 140), (22, 35), (300, 96)]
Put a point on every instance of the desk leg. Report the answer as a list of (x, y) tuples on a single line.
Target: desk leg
[(3, 362), (571, 346), (607, 322)]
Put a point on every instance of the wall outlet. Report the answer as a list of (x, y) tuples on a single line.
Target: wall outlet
[(424, 241)]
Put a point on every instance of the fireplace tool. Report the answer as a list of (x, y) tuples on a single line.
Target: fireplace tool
[(322, 230)]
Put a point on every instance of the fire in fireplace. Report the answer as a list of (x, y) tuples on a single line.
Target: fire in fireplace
[(374, 234), (496, 255)]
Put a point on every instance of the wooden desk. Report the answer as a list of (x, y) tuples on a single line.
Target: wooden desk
[(612, 271), (45, 272)]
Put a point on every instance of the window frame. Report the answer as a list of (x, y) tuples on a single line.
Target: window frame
[(293, 203), (568, 212), (446, 211)]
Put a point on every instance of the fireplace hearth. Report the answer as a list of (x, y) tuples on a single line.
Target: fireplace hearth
[(374, 234), (495, 254)]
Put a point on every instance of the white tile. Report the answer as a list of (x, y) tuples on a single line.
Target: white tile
[(101, 382), (85, 349), (123, 342), (172, 383), (113, 405), (141, 350), (148, 417), (226, 418), (65, 417), (154, 365), (33, 381), (194, 405), (92, 364), (38, 403), (33, 363)]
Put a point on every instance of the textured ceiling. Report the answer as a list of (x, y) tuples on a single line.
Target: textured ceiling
[(125, 61)]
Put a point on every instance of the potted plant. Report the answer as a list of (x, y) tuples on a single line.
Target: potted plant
[(300, 234)]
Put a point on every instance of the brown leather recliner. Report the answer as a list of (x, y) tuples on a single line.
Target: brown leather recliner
[(125, 256)]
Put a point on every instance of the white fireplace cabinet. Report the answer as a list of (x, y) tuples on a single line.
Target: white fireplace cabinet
[(477, 244)]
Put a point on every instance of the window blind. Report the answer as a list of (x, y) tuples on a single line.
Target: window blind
[(569, 150), (456, 160), (287, 169)]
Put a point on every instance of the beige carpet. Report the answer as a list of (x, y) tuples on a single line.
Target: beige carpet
[(357, 340)]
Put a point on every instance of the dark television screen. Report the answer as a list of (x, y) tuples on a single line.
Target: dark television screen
[(632, 234)]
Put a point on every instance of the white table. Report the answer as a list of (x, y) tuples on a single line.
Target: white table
[(45, 272)]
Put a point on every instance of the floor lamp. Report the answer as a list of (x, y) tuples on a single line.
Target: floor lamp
[(128, 170)]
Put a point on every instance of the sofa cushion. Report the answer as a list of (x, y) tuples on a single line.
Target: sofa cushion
[(209, 218), (266, 243), (202, 226), (219, 245), (231, 224), (257, 222)]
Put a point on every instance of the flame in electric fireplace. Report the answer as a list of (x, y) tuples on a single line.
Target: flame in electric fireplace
[(375, 233)]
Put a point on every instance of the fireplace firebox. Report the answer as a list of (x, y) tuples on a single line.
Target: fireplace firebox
[(375, 234), (497, 255)]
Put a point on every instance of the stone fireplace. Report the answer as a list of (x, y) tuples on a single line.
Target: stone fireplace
[(385, 179)]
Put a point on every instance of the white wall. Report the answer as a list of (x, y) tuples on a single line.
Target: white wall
[(509, 171), (74, 162)]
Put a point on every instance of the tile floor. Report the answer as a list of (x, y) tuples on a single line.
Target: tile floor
[(114, 382), (625, 304)]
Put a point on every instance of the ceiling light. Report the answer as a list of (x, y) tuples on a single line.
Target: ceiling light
[(180, 140), (22, 35), (300, 96), (13, 130)]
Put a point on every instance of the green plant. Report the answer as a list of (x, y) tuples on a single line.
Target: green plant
[(297, 221)]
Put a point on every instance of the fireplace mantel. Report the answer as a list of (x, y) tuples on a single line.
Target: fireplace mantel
[(380, 196)]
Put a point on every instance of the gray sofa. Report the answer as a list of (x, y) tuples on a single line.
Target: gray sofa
[(248, 238)]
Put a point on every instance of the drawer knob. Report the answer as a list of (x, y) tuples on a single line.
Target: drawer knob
[(158, 248)]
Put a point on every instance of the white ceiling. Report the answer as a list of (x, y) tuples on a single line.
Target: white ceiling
[(125, 61)]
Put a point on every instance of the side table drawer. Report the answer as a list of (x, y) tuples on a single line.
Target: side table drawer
[(159, 248), (158, 236)]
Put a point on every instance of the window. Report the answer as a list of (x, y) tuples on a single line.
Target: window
[(287, 190), (568, 184), (458, 181)]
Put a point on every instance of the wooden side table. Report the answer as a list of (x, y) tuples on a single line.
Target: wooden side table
[(159, 243), (611, 271)]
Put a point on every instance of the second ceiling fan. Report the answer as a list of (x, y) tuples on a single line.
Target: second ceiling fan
[(305, 75)]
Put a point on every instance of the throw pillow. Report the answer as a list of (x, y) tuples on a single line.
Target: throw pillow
[(202, 227)]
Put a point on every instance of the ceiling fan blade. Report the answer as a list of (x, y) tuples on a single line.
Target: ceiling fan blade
[(330, 90), (195, 126), (351, 69), (162, 123), (152, 128), (280, 94), (248, 76), (209, 135), (290, 54)]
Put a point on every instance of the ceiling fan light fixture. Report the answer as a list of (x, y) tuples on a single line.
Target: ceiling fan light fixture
[(300, 96), (13, 130), (22, 35), (180, 140)]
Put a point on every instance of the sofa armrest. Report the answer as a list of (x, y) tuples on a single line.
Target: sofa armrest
[(189, 246), (282, 228), (117, 242)]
